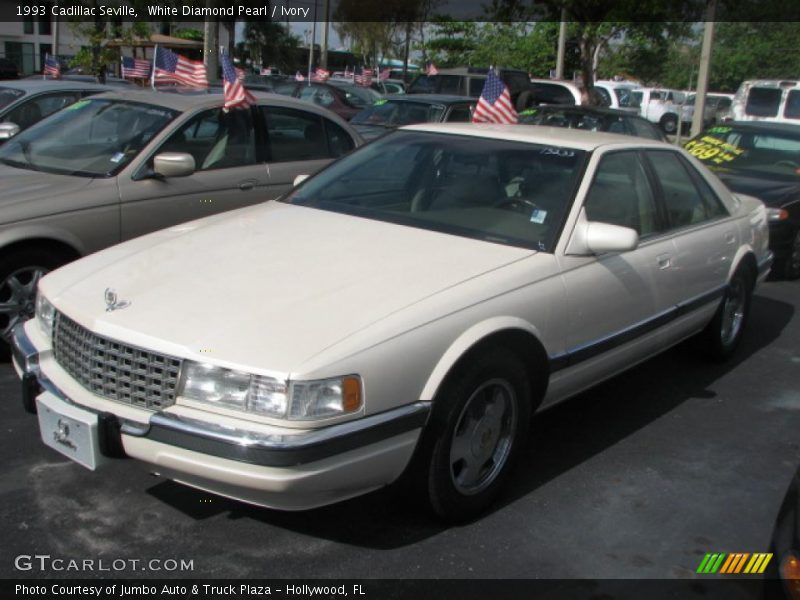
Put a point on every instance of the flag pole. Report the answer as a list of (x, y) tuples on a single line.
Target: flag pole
[(153, 68)]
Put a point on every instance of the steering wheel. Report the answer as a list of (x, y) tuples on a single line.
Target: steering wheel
[(517, 204), (787, 163)]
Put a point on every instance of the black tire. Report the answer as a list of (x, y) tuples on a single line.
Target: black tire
[(723, 334), (789, 266), (524, 100), (669, 124), (486, 404), (21, 266)]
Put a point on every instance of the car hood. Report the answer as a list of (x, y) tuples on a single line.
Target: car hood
[(21, 186), (267, 287), (770, 191)]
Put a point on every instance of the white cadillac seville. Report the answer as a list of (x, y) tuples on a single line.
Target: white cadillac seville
[(405, 310)]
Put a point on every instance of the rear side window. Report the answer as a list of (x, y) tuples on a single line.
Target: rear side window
[(476, 86), (792, 110), (449, 84), (763, 102), (549, 93), (339, 142), (459, 114), (294, 135)]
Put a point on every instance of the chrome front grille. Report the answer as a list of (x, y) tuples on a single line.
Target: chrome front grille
[(115, 370)]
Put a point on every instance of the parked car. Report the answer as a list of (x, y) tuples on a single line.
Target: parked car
[(119, 165), (344, 99), (388, 114), (552, 91), (762, 160), (469, 81), (404, 310), (387, 87), (617, 94), (592, 118), (8, 69), (660, 105), (111, 80), (716, 106), (771, 100), (25, 103)]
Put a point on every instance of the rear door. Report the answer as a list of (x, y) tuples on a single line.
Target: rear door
[(299, 142)]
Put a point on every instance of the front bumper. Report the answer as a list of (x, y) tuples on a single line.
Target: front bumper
[(290, 469)]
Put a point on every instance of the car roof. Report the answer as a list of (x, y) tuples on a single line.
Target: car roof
[(431, 98), (551, 136), (596, 110), (183, 99), (44, 85), (763, 126)]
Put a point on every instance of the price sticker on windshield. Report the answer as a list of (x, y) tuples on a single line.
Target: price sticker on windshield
[(380, 102), (77, 105), (713, 150)]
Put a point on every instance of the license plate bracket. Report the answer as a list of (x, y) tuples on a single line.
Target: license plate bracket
[(70, 430)]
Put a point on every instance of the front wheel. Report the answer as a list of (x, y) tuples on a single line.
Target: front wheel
[(724, 332), (789, 267), (20, 273), (479, 424)]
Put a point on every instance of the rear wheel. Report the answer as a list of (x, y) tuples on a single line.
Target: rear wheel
[(669, 123), (479, 424), (724, 332)]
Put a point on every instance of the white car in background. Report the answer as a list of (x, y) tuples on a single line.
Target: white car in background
[(406, 309), (660, 105), (771, 100), (618, 94)]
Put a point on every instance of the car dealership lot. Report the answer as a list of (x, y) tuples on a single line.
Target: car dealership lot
[(639, 477)]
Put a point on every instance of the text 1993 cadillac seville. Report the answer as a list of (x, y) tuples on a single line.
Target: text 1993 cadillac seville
[(406, 309)]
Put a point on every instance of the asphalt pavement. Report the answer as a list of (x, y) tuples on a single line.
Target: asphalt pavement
[(637, 478)]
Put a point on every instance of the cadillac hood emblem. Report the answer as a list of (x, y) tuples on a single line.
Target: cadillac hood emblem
[(112, 303)]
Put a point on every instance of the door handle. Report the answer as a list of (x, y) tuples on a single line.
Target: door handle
[(247, 185), (664, 261)]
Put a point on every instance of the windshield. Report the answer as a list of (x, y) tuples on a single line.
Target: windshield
[(388, 113), (91, 138), (572, 119), (9, 95), (503, 192), (764, 153), (360, 96)]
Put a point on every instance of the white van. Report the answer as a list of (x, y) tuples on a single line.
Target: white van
[(772, 100)]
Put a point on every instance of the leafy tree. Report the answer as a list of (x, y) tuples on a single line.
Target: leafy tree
[(269, 43), (451, 43)]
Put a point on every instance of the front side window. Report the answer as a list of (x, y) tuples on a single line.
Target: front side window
[(504, 192), (90, 138), (216, 139), (621, 195), (626, 96), (792, 110)]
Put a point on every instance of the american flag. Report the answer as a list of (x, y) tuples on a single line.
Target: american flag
[(236, 95), (135, 68), (431, 70), (385, 74), (174, 68), (51, 67), (239, 73), (364, 78), (299, 76), (321, 75), (494, 105)]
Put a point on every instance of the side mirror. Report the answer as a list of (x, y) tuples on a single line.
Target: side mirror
[(594, 237), (174, 164), (299, 179), (8, 130)]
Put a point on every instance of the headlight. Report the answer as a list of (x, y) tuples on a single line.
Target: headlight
[(305, 400), (325, 398), (233, 389), (45, 314)]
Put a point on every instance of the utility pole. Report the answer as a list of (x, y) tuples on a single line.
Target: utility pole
[(562, 44), (323, 59), (311, 45), (55, 38), (702, 75), (211, 47)]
